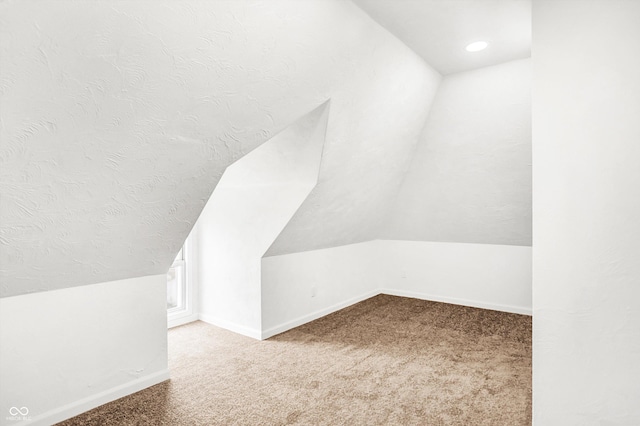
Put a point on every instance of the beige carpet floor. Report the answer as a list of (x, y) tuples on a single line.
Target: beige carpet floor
[(385, 361)]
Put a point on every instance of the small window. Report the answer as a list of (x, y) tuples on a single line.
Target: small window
[(176, 284), (181, 286)]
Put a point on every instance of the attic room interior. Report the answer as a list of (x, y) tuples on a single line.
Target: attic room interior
[(320, 212)]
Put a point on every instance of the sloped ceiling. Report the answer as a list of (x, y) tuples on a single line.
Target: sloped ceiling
[(470, 178), (439, 30), (292, 157), (252, 203), (118, 119)]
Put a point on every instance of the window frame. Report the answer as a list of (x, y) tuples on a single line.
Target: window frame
[(182, 279), (186, 312)]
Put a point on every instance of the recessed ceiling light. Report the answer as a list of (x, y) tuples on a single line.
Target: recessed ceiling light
[(477, 46)]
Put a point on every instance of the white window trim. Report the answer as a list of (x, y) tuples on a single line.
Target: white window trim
[(189, 312)]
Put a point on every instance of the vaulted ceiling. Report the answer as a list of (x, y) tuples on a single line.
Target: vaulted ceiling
[(118, 120)]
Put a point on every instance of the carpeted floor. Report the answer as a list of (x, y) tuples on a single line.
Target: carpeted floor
[(385, 361)]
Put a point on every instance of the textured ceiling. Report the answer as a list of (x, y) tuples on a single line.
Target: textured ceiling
[(439, 30), (118, 119), (470, 179)]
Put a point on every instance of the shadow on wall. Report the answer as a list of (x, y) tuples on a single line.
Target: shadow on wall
[(253, 202)]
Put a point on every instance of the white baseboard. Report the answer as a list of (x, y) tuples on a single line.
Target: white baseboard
[(227, 325), (86, 404), (315, 315), (256, 334), (175, 322), (70, 410), (455, 301)]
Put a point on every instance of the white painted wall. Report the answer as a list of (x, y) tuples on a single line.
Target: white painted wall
[(486, 276), (253, 202), (119, 119), (66, 351), (301, 287), (586, 245), (470, 178)]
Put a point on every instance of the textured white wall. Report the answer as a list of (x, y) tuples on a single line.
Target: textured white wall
[(254, 200), (586, 242), (488, 276), (470, 179), (66, 351), (120, 117), (301, 287)]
